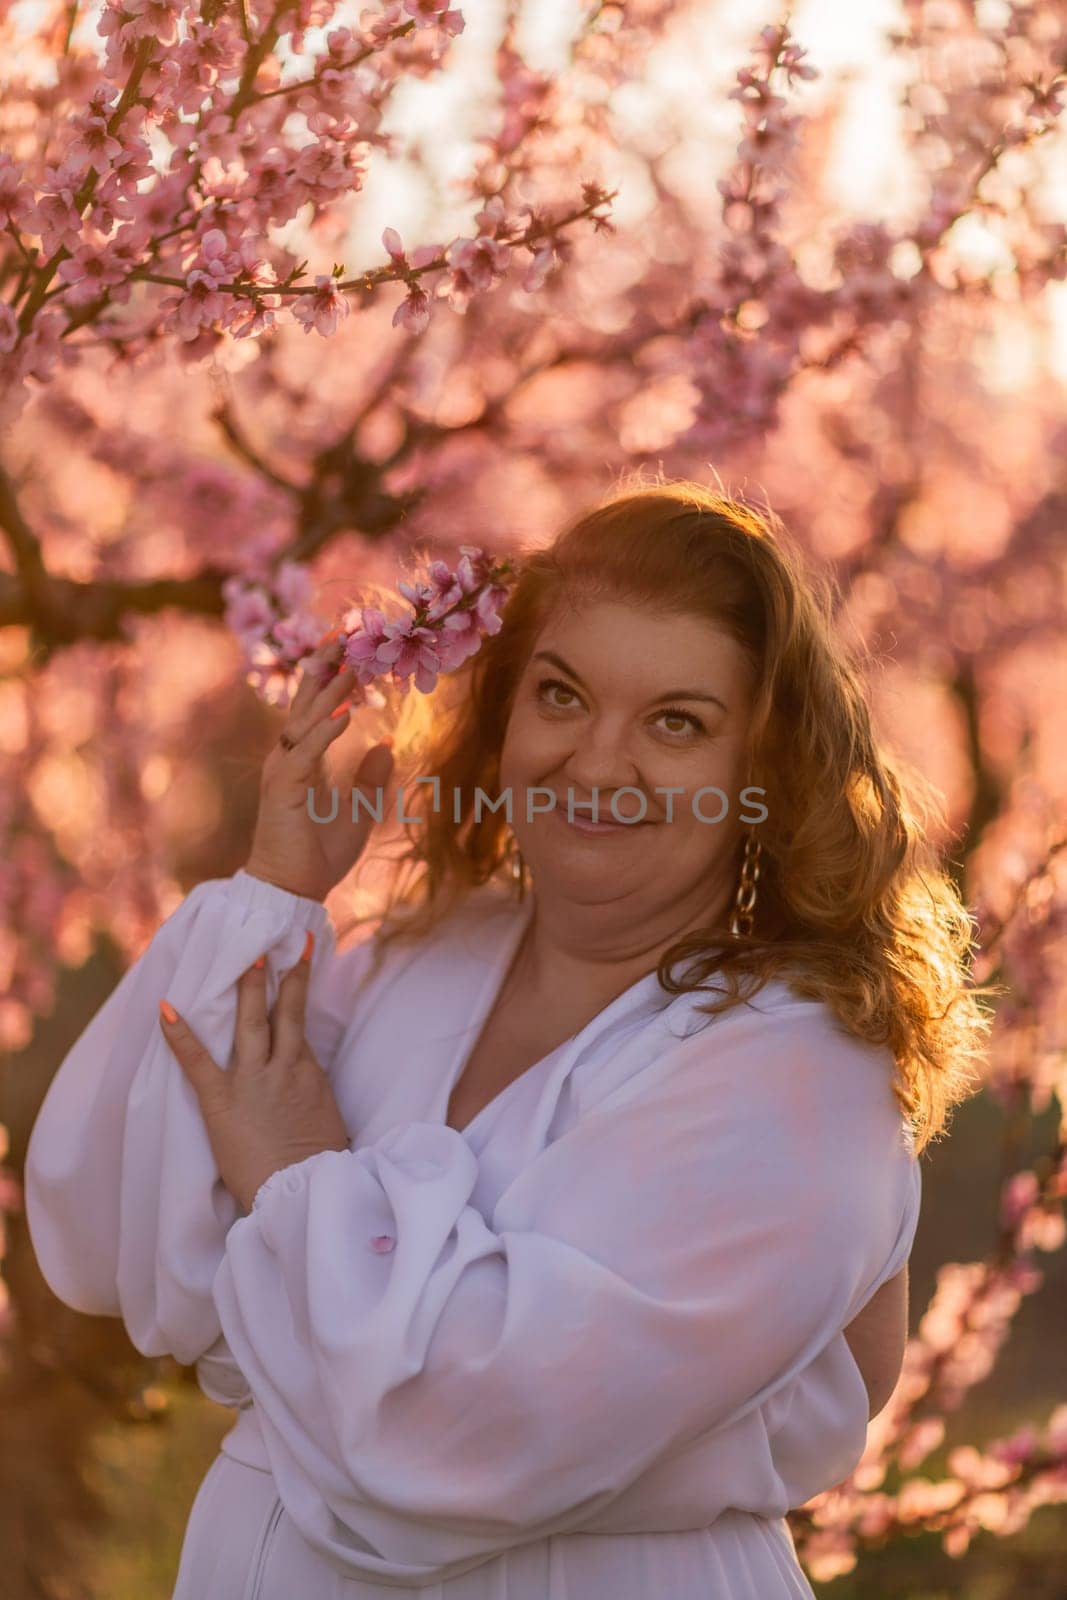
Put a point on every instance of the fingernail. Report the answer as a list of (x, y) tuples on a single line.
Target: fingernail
[(169, 1013), (386, 744), (309, 945), (331, 633), (339, 711), (262, 962)]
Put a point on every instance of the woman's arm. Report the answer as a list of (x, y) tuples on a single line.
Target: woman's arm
[(435, 1385), (877, 1338), (124, 1204)]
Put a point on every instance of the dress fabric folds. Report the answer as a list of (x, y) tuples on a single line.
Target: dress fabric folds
[(590, 1346)]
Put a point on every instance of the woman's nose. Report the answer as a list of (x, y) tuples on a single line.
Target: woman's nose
[(601, 764)]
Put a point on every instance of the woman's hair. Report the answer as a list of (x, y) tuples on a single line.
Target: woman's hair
[(853, 905)]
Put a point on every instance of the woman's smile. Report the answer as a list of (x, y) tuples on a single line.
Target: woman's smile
[(585, 825)]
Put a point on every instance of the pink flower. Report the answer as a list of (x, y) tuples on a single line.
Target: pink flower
[(292, 585), (39, 350), (482, 260), (1018, 1448), (402, 646), (323, 309), (299, 634), (459, 639), (94, 146), (92, 270), (252, 317), (248, 613), (195, 311), (323, 167), (1018, 1195), (413, 313), (150, 19), (544, 260), (393, 245), (462, 632), (56, 217), (216, 262), (492, 217), (361, 647), (16, 195), (434, 13), (413, 651)]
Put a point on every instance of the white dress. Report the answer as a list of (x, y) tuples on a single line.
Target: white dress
[(589, 1347)]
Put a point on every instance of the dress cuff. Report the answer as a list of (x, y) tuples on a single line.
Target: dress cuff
[(256, 894), (287, 1180)]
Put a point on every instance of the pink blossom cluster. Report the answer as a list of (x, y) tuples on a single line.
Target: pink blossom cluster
[(959, 1339), (994, 1490), (270, 615), (758, 318), (172, 158), (451, 612)]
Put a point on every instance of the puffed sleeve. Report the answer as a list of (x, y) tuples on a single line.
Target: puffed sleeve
[(126, 1210), (434, 1386)]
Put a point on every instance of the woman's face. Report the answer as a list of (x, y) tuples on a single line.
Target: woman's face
[(614, 700)]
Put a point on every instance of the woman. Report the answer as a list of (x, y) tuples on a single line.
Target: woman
[(526, 1234)]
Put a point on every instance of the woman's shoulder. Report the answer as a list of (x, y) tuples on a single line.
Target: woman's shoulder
[(784, 1038), (775, 999)]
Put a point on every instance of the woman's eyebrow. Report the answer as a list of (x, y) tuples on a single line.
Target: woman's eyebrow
[(669, 694)]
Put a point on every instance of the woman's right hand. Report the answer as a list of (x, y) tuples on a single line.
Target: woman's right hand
[(289, 848)]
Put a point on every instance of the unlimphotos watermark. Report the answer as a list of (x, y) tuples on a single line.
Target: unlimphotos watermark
[(541, 800)]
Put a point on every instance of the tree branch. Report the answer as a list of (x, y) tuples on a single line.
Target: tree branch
[(224, 415), (33, 578), (95, 610)]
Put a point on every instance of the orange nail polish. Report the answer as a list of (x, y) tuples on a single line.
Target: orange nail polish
[(339, 711), (169, 1013), (309, 945), (261, 962)]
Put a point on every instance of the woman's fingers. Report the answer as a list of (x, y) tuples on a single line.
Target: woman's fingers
[(316, 671), (326, 701), (306, 754), (288, 1016), (251, 1044), (203, 1072)]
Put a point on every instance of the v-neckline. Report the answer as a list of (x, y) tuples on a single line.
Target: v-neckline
[(492, 986)]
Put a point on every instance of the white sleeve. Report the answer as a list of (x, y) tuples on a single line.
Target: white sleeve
[(126, 1210), (676, 1256)]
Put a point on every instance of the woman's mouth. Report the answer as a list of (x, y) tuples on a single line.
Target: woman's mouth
[(582, 824)]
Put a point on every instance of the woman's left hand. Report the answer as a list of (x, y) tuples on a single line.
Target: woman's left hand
[(274, 1105)]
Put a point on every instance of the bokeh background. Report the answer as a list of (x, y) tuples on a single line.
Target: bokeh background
[(837, 289)]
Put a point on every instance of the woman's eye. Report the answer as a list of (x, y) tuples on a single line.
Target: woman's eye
[(695, 724), (553, 683), (671, 714)]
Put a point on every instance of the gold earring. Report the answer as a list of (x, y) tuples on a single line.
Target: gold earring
[(518, 866), (745, 899)]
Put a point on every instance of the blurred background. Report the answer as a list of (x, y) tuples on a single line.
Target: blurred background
[(833, 281)]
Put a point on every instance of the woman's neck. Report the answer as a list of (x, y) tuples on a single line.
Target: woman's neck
[(570, 952)]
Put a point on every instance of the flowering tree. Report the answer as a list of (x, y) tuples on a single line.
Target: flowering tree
[(218, 406)]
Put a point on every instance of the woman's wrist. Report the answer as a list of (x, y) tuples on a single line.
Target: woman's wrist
[(290, 887)]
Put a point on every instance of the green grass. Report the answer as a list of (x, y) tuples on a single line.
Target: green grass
[(147, 1476)]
